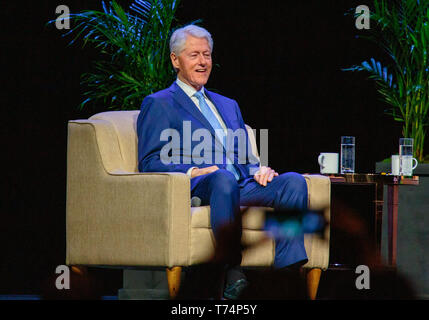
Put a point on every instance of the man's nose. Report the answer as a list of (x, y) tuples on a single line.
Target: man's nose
[(201, 60)]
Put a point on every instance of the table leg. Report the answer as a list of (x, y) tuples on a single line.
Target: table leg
[(392, 220), (379, 203)]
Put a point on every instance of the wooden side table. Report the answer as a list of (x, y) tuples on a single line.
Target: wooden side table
[(380, 180)]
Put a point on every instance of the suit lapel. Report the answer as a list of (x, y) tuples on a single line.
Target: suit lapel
[(186, 103)]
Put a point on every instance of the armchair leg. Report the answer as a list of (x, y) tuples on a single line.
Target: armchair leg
[(173, 279), (80, 270), (313, 278)]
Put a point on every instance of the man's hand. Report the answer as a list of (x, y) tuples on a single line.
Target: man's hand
[(200, 171), (264, 175)]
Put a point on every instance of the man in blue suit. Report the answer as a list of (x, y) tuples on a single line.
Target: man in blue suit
[(222, 177)]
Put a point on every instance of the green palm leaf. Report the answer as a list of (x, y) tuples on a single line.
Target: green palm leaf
[(134, 51), (401, 29)]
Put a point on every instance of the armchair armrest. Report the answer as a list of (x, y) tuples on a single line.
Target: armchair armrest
[(122, 218), (317, 247), (319, 191)]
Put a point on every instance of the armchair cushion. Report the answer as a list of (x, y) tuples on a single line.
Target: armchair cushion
[(253, 219)]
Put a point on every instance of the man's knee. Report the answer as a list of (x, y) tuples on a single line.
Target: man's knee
[(294, 194), (294, 181), (224, 181)]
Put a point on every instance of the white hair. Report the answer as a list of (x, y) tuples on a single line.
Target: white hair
[(178, 38)]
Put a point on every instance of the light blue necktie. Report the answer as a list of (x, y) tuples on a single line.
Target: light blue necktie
[(211, 118)]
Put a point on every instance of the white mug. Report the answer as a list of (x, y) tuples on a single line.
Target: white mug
[(408, 167), (328, 162), (395, 165)]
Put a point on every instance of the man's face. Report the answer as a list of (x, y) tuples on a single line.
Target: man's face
[(194, 63)]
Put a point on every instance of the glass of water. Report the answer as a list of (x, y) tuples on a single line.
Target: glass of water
[(347, 154), (406, 157)]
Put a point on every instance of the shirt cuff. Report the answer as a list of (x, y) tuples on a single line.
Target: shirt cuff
[(190, 170)]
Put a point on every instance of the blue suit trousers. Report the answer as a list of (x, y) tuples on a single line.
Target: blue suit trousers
[(225, 195)]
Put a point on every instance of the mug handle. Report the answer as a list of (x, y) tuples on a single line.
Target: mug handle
[(320, 160), (414, 159)]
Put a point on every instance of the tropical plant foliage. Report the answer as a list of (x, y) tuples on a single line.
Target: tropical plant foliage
[(134, 51), (401, 28)]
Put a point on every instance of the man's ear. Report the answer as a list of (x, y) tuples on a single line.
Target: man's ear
[(174, 61)]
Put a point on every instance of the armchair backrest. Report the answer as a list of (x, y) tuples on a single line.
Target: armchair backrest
[(123, 126)]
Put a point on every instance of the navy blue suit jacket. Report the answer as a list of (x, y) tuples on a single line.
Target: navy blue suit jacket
[(169, 108)]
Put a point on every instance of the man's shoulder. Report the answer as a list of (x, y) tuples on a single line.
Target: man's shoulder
[(220, 97), (162, 94), (162, 98)]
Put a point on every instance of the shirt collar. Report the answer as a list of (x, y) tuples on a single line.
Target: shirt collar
[(190, 91)]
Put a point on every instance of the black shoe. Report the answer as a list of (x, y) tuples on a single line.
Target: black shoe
[(234, 290)]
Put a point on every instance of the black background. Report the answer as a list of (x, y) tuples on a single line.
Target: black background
[(280, 60)]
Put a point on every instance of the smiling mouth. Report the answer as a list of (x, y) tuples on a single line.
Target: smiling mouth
[(201, 70)]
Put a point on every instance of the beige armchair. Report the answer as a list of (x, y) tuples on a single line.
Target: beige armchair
[(117, 216)]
